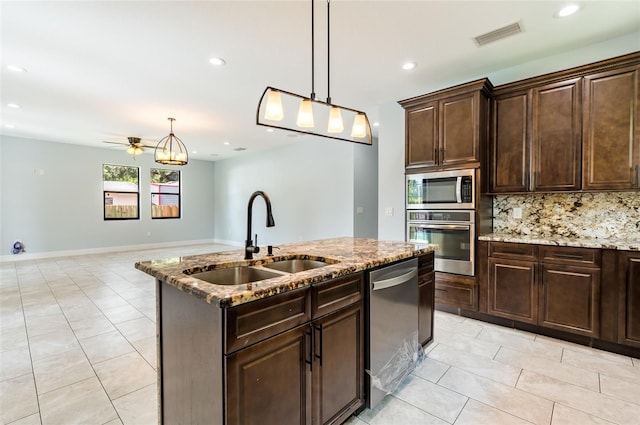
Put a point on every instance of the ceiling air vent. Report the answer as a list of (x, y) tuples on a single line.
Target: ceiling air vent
[(498, 34)]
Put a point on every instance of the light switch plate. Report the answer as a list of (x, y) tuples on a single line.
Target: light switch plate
[(388, 211)]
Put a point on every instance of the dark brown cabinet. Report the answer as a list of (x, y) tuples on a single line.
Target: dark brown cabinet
[(426, 298), (629, 298), (447, 128), (611, 158), (554, 287), (536, 138), (311, 374), (268, 383)]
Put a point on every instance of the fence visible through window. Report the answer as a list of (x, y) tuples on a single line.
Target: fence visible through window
[(165, 193)]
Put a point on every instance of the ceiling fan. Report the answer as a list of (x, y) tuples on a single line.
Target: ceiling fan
[(135, 145)]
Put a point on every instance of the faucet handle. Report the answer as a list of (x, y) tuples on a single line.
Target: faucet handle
[(256, 248)]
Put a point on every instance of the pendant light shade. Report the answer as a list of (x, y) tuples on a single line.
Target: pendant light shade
[(274, 111), (335, 120), (360, 126), (170, 150), (305, 114)]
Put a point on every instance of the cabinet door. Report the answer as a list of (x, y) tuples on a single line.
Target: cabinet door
[(268, 383), (556, 134), (611, 132), (570, 299), (513, 292), (510, 144), (426, 298), (629, 299), (338, 365), (422, 136), (460, 129)]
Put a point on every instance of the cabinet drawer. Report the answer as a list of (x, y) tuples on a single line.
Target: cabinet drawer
[(255, 321), (588, 257), (330, 296), (517, 251), (462, 296), (425, 264)]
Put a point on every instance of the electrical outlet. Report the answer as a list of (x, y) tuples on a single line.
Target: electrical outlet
[(388, 211), (517, 213), (359, 210)]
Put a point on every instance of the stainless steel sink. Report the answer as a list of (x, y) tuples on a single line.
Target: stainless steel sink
[(235, 275), (295, 265)]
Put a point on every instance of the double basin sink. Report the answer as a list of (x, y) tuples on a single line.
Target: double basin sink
[(238, 275)]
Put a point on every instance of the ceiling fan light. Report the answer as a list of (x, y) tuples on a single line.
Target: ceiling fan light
[(335, 124), (274, 110), (305, 114), (359, 128)]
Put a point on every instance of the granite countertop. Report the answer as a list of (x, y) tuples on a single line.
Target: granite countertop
[(624, 244), (347, 255)]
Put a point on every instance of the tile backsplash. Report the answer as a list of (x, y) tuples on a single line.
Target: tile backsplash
[(600, 215)]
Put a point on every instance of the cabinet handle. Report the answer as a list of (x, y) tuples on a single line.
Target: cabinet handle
[(638, 175), (441, 155), (320, 329), (568, 256), (308, 336)]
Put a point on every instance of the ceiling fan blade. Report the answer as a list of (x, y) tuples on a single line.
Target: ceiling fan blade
[(115, 143)]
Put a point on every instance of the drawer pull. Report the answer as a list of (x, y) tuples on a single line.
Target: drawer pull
[(442, 290), (568, 256)]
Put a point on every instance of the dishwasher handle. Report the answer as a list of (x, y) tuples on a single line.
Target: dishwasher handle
[(394, 281)]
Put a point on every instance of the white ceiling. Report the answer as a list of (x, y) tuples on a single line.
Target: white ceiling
[(107, 70)]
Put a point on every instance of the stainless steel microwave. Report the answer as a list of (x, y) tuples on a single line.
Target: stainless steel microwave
[(441, 189)]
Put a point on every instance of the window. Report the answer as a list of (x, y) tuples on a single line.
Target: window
[(165, 193), (120, 192)]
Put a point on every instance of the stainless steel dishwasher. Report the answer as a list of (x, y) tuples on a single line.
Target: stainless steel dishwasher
[(392, 328)]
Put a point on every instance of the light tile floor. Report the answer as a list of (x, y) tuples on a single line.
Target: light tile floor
[(77, 346)]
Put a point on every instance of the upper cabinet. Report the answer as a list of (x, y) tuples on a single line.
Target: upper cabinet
[(611, 131), (535, 143), (447, 128), (567, 131)]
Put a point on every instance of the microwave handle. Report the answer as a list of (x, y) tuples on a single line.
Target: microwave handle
[(459, 189)]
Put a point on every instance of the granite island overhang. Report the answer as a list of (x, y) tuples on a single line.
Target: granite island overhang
[(344, 256)]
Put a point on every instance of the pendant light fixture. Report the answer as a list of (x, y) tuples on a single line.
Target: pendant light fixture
[(170, 150), (277, 108)]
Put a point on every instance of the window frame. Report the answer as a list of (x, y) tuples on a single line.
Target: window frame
[(178, 194), (106, 192)]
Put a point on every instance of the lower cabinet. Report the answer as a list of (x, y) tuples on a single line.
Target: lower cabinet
[(629, 298), (311, 374), (554, 287), (268, 383)]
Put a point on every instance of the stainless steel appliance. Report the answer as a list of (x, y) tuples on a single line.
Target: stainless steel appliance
[(442, 189), (452, 230), (392, 318)]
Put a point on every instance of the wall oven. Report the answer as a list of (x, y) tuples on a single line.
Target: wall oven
[(452, 230), (442, 189)]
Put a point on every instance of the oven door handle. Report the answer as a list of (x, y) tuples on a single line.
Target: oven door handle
[(443, 226)]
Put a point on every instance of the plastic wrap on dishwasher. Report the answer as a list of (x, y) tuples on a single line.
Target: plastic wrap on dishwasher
[(406, 358)]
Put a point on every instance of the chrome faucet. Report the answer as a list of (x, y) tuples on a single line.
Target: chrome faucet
[(251, 247)]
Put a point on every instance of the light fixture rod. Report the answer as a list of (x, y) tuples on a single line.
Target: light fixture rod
[(313, 62), (328, 56)]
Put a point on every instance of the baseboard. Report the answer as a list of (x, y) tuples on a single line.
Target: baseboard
[(53, 254)]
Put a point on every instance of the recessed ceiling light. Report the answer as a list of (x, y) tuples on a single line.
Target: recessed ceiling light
[(376, 124), (567, 10), (15, 68), (227, 143), (217, 61), (409, 65), (13, 105), (194, 151), (270, 130), (10, 125)]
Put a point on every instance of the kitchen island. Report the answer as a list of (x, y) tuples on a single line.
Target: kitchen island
[(287, 348)]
